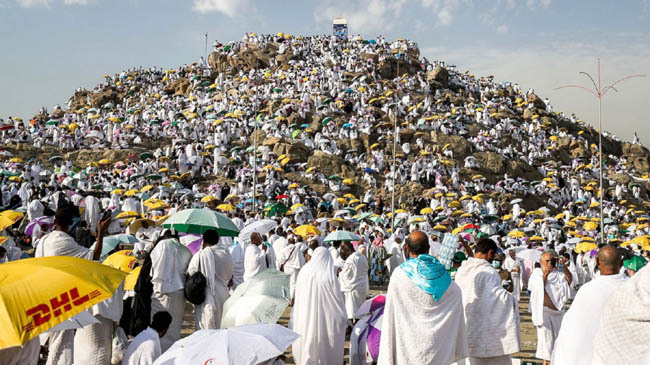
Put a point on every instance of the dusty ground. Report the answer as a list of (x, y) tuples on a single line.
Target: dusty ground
[(529, 336)]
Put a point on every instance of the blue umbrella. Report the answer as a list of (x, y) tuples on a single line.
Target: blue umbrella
[(347, 125), (349, 91), (109, 243), (342, 236), (304, 126), (369, 170)]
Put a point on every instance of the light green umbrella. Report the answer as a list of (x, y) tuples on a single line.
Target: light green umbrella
[(199, 221), (342, 236)]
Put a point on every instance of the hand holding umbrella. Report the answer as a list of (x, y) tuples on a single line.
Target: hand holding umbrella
[(101, 230)]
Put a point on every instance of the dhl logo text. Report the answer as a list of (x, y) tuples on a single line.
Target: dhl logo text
[(44, 312)]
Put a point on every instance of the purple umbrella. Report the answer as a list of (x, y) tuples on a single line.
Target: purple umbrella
[(192, 241), (41, 221)]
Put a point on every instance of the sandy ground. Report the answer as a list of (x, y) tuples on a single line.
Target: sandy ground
[(529, 336)]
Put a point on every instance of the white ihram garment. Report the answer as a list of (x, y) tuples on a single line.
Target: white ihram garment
[(354, 282), (216, 265)]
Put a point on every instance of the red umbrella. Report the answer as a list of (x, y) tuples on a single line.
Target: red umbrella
[(283, 196), (470, 226), (5, 127)]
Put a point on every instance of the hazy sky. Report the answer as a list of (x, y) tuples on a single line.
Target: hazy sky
[(51, 47)]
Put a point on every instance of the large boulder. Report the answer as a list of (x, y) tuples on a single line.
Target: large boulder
[(457, 144), (179, 87), (330, 164), (439, 74), (492, 162), (296, 150), (536, 101)]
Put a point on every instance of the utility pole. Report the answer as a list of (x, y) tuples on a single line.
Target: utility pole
[(599, 92)]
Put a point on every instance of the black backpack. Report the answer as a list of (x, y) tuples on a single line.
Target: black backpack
[(195, 287)]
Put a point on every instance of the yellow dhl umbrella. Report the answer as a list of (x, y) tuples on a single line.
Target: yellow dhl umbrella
[(341, 200), (121, 260), (400, 211), (457, 230), (590, 226), (16, 178), (477, 177), (466, 215), (138, 223), (208, 198), (349, 196), (536, 239), (146, 188), (294, 186), (440, 227), (37, 294), (118, 191), (354, 201), (8, 218), (153, 204), (456, 213), (642, 240), (3, 240), (348, 182), (454, 204), (426, 210), (360, 206), (127, 214), (225, 207), (164, 169), (516, 234), (594, 205), (132, 278), (306, 230), (105, 162), (465, 197), (310, 170), (232, 197), (16, 160), (507, 217)]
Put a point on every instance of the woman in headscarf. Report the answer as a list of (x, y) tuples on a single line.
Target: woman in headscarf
[(318, 315)]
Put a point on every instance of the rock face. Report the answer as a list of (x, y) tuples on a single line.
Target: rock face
[(638, 156), (439, 74), (180, 87), (296, 150), (536, 101)]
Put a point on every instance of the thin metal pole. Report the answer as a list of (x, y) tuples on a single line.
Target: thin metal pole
[(392, 204), (600, 155), (205, 59), (255, 166)]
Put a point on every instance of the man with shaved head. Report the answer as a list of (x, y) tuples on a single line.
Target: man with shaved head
[(255, 259), (423, 319), (581, 321), (549, 292)]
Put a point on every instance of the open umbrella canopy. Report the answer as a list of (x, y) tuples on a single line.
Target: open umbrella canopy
[(342, 236), (635, 263), (251, 344), (262, 227), (37, 294), (109, 243), (260, 299), (306, 230), (201, 220), (121, 260), (9, 218)]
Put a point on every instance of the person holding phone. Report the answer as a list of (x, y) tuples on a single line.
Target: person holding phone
[(549, 292)]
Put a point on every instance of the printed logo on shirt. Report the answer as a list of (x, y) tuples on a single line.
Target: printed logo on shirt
[(64, 302)]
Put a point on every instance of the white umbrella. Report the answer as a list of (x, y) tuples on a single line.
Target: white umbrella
[(515, 201), (245, 345), (530, 255), (263, 226), (260, 299), (488, 229), (302, 209)]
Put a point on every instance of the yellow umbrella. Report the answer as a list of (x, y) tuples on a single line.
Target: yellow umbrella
[(153, 204), (536, 239), (457, 230), (454, 204), (585, 246), (132, 279), (16, 160), (426, 211), (349, 196), (354, 201), (297, 205), (208, 198), (590, 226), (348, 181), (294, 186), (516, 234), (360, 206), (225, 207), (164, 169), (127, 214), (37, 294), (399, 211), (306, 230), (440, 227), (642, 240), (105, 162), (8, 218), (131, 192), (146, 188), (121, 260), (341, 200), (118, 191), (136, 224)]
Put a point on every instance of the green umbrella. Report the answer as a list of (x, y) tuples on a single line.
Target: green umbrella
[(10, 174), (134, 177), (277, 209), (635, 263), (327, 101), (342, 236), (198, 221), (326, 120), (154, 177), (52, 122), (376, 219), (295, 133), (146, 155), (332, 177), (277, 90), (365, 215)]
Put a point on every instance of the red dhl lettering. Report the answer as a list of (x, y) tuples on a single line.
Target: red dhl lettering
[(64, 302)]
